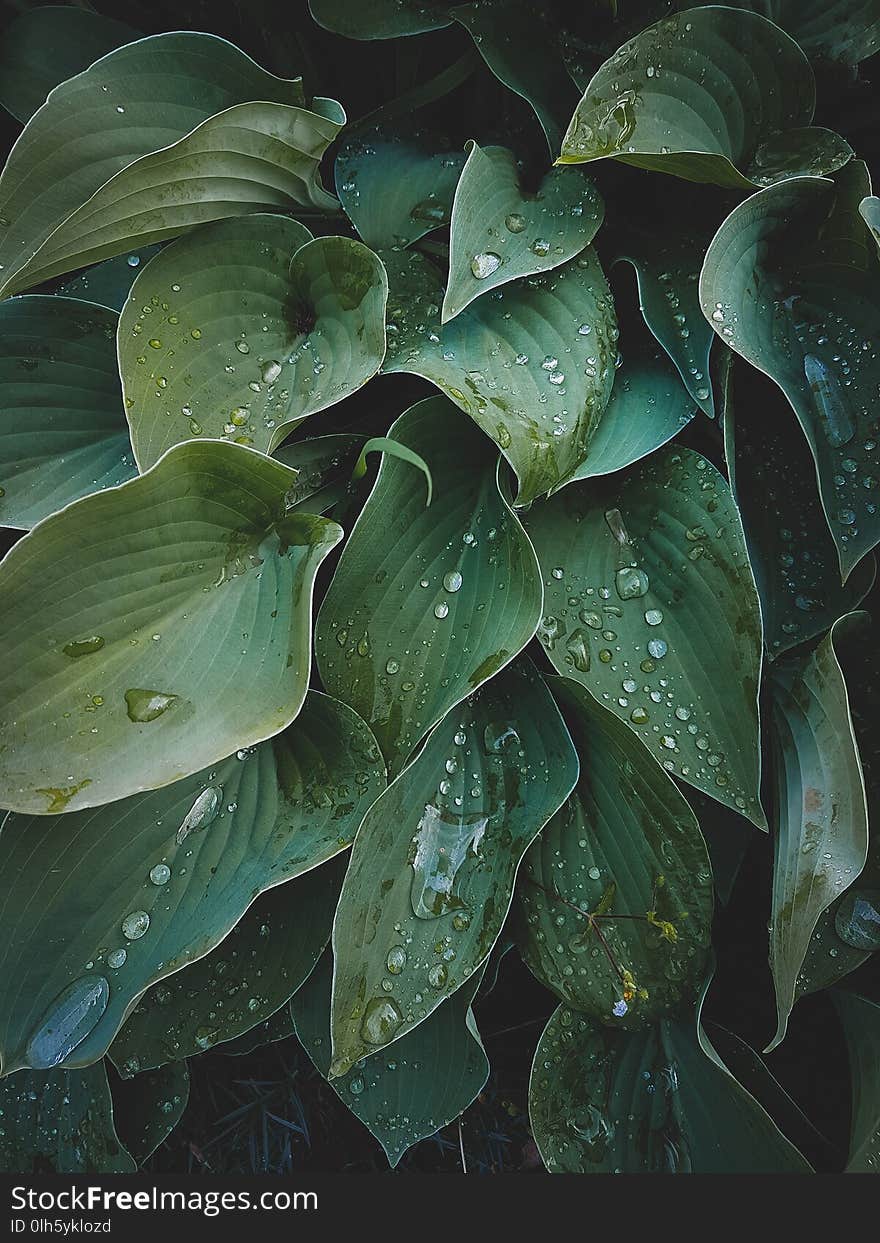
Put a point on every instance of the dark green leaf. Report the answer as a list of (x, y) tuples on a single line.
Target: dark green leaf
[(861, 1025), (148, 1107), (379, 19)]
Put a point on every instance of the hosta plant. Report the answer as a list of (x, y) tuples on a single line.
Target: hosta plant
[(440, 494)]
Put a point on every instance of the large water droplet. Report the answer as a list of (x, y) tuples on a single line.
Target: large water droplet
[(382, 1017), (631, 583), (515, 223), (837, 424), (485, 264), (396, 960), (201, 814), (83, 647), (857, 920), (144, 706), (135, 925), (270, 371), (498, 735), (67, 1021), (444, 840)]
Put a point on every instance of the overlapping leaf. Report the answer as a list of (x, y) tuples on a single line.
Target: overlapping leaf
[(432, 870), (861, 1025), (822, 815), (531, 363), (650, 604), (60, 1122), (250, 976), (147, 1108), (244, 329), (155, 138), (108, 283), (107, 902), (427, 603), (62, 429), (847, 30), (500, 232), (380, 19), (790, 283), (428, 1078), (711, 94), (131, 620), (324, 465), (621, 869)]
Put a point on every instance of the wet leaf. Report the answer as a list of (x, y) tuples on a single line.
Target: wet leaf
[(62, 430), (107, 902), (148, 1107), (861, 1025), (432, 869), (129, 620), (380, 19), (847, 30), (108, 283), (244, 329), (664, 627), (427, 603), (324, 465)]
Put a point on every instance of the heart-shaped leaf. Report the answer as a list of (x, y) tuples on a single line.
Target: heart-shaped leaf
[(150, 141), (62, 430), (395, 188), (499, 232), (380, 19), (107, 902), (430, 1077), (47, 45), (131, 621), (652, 1101), (247, 978), (60, 1122), (623, 869), (790, 547), (790, 283), (706, 95), (244, 329), (861, 1025), (147, 1108), (847, 30), (432, 869), (531, 363), (427, 603), (821, 838), (665, 628)]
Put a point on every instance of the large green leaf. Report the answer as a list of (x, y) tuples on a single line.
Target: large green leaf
[(614, 899), (433, 865), (148, 1107), (711, 94), (847, 30), (44, 46), (396, 187), (647, 1102), (821, 835), (650, 603), (60, 1123), (62, 429), (103, 903), (790, 283), (500, 232), (132, 621), (427, 603), (428, 1079), (791, 551), (153, 139), (667, 268), (379, 19), (247, 978), (861, 1025), (244, 329), (531, 363)]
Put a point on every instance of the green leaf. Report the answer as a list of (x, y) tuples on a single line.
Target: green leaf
[(433, 865), (626, 850), (278, 1027), (148, 1107), (384, 444), (245, 328), (667, 270), (379, 19), (430, 1077), (107, 902), (152, 140), (869, 210), (60, 1123), (861, 1026), (45, 46), (648, 407), (847, 30), (109, 283), (532, 363), (427, 604), (247, 978), (62, 430), (131, 620), (646, 1102), (790, 283), (325, 464), (707, 95), (821, 838), (665, 628), (791, 550), (533, 67), (499, 232), (396, 187)]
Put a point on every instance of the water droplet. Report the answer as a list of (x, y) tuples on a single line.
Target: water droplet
[(67, 1021), (201, 814), (515, 223), (540, 247), (485, 264), (657, 648), (270, 371), (441, 610), (653, 617), (437, 976), (444, 840), (242, 347), (116, 958), (578, 646), (396, 960), (135, 925), (452, 581), (631, 583), (834, 415), (160, 874), (83, 647), (382, 1017), (857, 920), (498, 737), (144, 706)]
